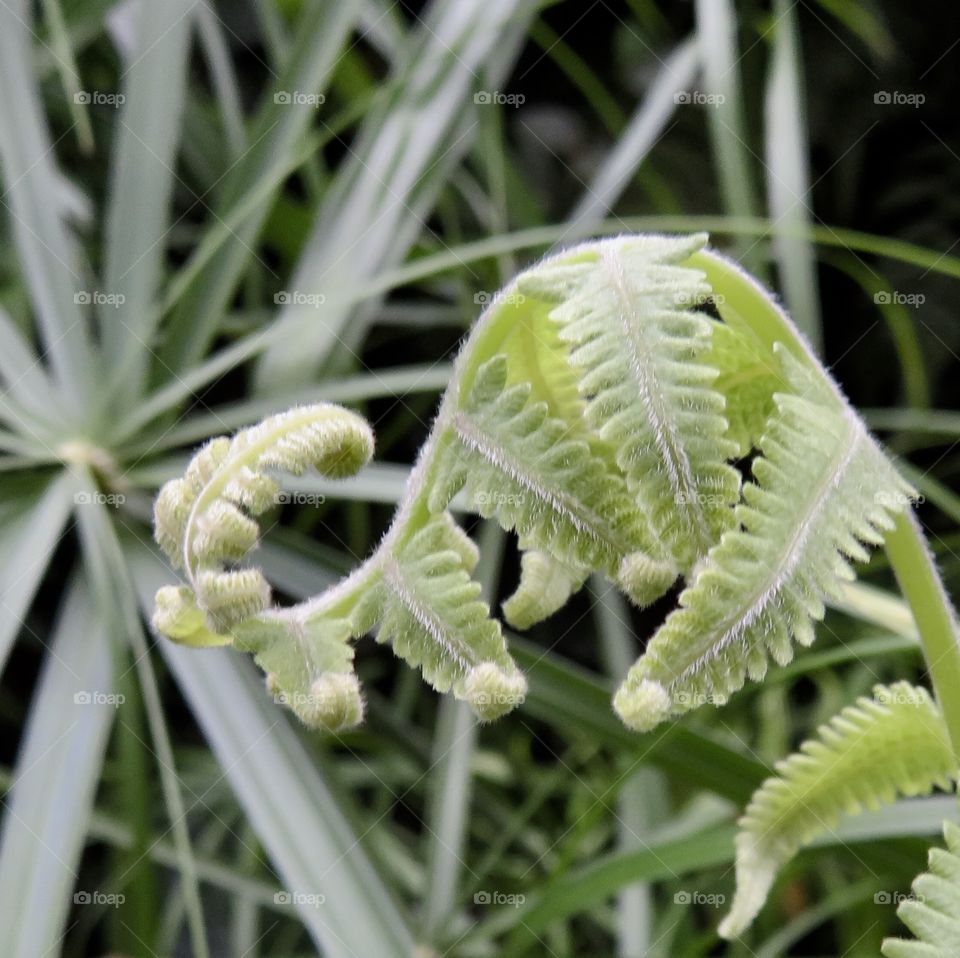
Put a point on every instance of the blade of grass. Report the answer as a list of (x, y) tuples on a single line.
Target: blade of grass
[(642, 133), (104, 827), (717, 39), (142, 181), (117, 603), (856, 651), (916, 387), (454, 744), (590, 885), (578, 71), (294, 812), (31, 524), (934, 422), (390, 383), (69, 76), (47, 252), (223, 76), (813, 917), (643, 792), (878, 607), (788, 177), (935, 492), (409, 144), (860, 20), (274, 137), (23, 374), (677, 855), (48, 807), (569, 697)]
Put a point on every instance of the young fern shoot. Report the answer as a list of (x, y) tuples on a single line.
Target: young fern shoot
[(585, 416), (600, 409)]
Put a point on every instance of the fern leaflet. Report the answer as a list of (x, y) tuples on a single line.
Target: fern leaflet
[(628, 315), (821, 490), (520, 465), (893, 744), (933, 914)]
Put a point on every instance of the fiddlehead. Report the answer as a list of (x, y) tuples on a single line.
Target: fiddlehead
[(587, 413)]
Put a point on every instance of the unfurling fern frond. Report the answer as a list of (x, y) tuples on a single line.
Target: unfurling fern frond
[(933, 913), (205, 523), (520, 465), (595, 410), (822, 490), (628, 313), (893, 744), (430, 611)]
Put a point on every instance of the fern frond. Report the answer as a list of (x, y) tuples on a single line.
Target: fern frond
[(430, 611), (518, 464), (822, 491), (309, 666), (545, 586), (893, 744), (628, 313), (593, 410), (204, 522), (933, 914)]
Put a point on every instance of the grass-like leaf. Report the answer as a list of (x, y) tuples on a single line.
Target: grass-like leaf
[(58, 769)]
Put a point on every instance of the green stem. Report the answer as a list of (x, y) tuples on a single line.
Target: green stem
[(922, 587)]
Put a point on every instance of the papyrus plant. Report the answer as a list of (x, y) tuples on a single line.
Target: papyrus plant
[(599, 409)]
